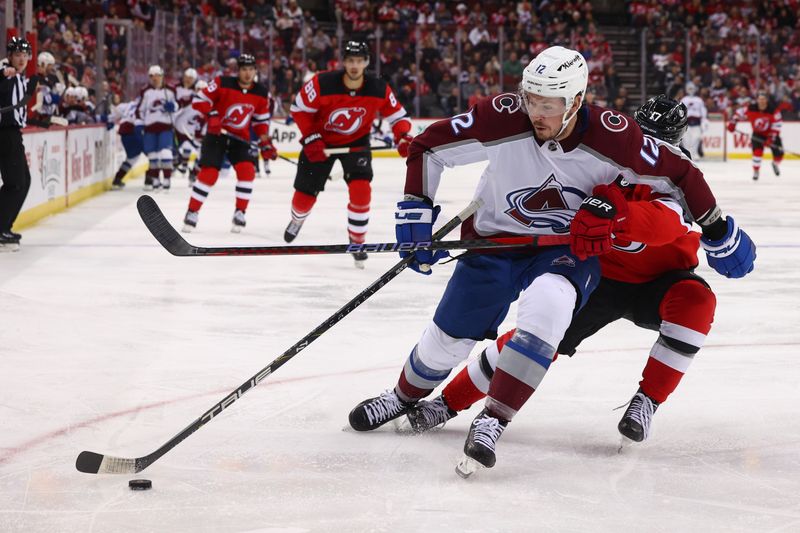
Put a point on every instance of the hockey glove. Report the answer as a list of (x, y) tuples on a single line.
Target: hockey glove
[(592, 229), (314, 148), (169, 106), (734, 255), (731, 127), (268, 151), (403, 144), (414, 223)]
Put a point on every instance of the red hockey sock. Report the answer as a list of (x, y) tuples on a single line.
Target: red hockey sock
[(461, 392), (245, 174), (758, 153), (206, 179), (302, 204), (358, 210), (687, 312)]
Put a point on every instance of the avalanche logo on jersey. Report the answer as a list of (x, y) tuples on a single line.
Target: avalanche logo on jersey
[(237, 116), (346, 120), (543, 207)]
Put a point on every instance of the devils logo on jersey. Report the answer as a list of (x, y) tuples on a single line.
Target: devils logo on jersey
[(346, 120), (761, 124), (238, 116), (543, 207)]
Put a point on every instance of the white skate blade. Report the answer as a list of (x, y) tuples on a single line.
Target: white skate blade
[(187, 228), (625, 443), (467, 466), (236, 229), (9, 247), (147, 188), (361, 265)]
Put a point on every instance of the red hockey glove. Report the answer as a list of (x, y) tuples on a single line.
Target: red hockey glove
[(403, 143), (268, 151), (731, 127), (599, 216), (769, 141), (314, 148)]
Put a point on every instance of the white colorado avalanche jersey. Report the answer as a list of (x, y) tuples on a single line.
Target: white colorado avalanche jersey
[(531, 188)]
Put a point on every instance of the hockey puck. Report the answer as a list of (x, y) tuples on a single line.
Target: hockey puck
[(140, 484)]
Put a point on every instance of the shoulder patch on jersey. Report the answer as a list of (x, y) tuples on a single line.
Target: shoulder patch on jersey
[(613, 121), (506, 103)]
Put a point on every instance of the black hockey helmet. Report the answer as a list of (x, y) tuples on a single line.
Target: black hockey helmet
[(356, 48), (18, 44), (663, 118), (246, 60)]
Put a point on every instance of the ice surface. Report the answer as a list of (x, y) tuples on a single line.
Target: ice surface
[(110, 344)]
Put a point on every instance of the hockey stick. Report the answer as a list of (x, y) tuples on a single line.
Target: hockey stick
[(94, 463), (356, 149), (253, 145), (174, 243), (762, 139)]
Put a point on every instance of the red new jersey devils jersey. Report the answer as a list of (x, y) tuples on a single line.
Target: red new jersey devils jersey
[(341, 115), (658, 239), (236, 108), (765, 123)]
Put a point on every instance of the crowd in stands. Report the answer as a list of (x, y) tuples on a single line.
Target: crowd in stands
[(439, 56), (737, 48)]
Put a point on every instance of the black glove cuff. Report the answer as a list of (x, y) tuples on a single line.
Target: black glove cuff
[(311, 138), (599, 206)]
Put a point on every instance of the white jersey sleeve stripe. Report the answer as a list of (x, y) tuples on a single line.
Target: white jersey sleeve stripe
[(398, 115), (299, 105)]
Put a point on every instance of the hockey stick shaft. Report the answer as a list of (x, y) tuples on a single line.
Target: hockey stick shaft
[(93, 463), (255, 146), (356, 149), (174, 243), (762, 139)]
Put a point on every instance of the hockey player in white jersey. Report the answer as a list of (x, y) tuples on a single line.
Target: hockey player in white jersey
[(188, 123), (550, 160), (157, 105), (697, 116), (131, 133)]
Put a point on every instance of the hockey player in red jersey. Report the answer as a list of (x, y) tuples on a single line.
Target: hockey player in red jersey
[(335, 109), (230, 106), (547, 153), (765, 118), (647, 278)]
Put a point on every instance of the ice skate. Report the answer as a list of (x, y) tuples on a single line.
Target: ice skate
[(374, 412), (9, 242), (190, 221), (635, 423), (156, 184), (117, 184), (360, 259), (776, 169), (292, 230), (426, 415), (238, 221), (166, 183), (480, 444), (755, 176), (148, 183)]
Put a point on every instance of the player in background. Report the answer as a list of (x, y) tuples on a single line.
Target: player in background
[(647, 277), (766, 122), (229, 106), (697, 121), (547, 153), (334, 109), (156, 107), (47, 95), (131, 133), (188, 122)]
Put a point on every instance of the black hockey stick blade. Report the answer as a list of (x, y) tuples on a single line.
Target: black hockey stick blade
[(161, 229), (95, 463)]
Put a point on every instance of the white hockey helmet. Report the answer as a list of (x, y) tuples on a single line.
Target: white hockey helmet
[(45, 59), (557, 72), (200, 85), (190, 73), (691, 89), (155, 70), (82, 93)]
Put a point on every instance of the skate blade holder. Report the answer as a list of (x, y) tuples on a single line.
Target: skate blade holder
[(468, 466)]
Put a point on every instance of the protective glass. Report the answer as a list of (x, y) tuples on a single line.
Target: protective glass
[(542, 106)]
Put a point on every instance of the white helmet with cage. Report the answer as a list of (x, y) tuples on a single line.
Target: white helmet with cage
[(557, 72), (155, 70), (45, 59)]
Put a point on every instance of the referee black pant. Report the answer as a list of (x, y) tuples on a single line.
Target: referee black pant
[(15, 174)]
